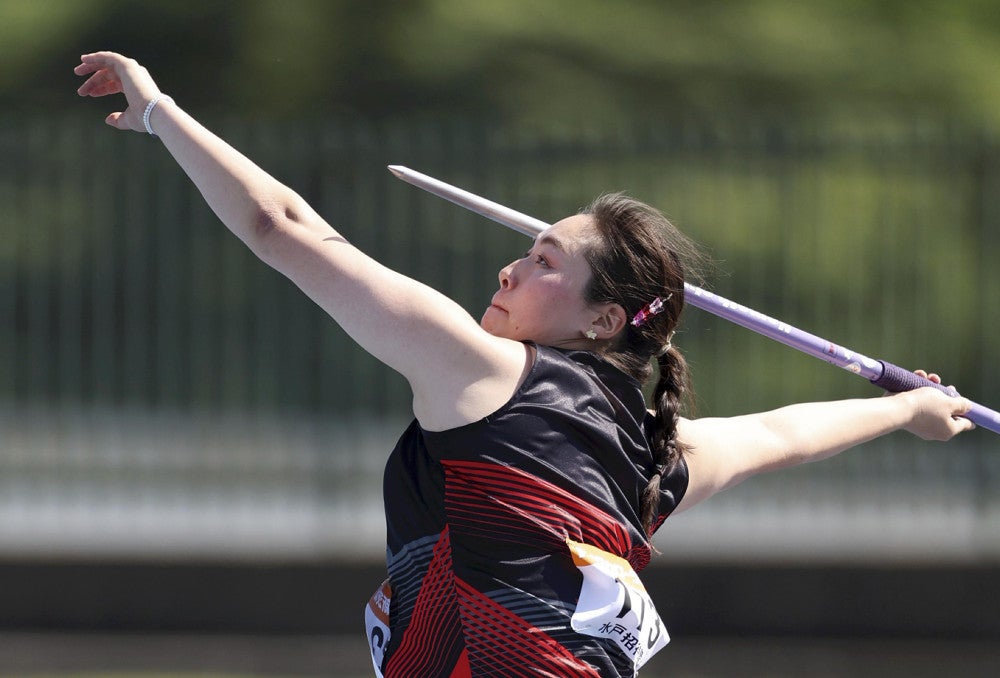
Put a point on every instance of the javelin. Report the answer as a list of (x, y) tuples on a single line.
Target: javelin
[(879, 372)]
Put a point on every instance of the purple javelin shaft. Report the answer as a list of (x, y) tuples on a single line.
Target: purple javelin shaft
[(879, 372)]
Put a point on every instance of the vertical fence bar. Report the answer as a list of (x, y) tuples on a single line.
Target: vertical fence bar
[(12, 149), (170, 227), (36, 349), (104, 232), (67, 253)]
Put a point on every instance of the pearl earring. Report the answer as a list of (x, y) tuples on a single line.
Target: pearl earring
[(590, 334)]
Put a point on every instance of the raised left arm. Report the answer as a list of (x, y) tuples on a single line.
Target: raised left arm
[(726, 451)]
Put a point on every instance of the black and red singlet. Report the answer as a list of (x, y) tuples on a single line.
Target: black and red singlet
[(482, 581)]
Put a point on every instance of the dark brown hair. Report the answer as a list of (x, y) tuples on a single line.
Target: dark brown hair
[(638, 256)]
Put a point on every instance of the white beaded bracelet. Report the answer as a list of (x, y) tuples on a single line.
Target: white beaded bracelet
[(149, 109)]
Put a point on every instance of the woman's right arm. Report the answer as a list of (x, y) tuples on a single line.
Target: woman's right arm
[(457, 371), (725, 451)]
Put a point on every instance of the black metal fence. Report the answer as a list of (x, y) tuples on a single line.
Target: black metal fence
[(122, 297), (119, 286)]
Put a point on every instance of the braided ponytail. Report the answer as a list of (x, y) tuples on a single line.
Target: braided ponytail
[(668, 394)]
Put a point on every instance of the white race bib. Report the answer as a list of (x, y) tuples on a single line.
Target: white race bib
[(377, 624), (614, 604)]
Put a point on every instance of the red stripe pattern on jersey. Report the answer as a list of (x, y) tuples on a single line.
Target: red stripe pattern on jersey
[(495, 501), (434, 637), (503, 644)]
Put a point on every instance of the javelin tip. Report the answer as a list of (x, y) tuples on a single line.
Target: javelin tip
[(398, 170)]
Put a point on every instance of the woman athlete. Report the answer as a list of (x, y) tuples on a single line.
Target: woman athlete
[(521, 501)]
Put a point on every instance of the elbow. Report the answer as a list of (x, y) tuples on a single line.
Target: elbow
[(274, 226), (268, 223)]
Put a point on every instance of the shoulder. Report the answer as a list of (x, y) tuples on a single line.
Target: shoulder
[(480, 379)]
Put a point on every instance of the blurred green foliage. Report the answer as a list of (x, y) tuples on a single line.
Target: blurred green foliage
[(540, 63)]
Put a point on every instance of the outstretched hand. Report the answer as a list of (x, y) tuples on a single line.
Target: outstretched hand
[(937, 416), (112, 73)]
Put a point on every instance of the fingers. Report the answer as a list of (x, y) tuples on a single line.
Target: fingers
[(962, 405), (959, 423), (102, 59), (95, 61), (117, 120), (107, 68), (103, 81), (83, 69), (100, 85)]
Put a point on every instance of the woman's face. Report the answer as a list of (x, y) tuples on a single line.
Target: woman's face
[(541, 294)]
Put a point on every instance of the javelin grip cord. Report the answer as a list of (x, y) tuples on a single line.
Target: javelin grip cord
[(897, 379), (879, 372)]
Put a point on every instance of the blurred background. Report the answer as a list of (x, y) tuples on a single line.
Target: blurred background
[(191, 452)]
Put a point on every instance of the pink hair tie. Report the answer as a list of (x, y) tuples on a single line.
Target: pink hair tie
[(649, 310)]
